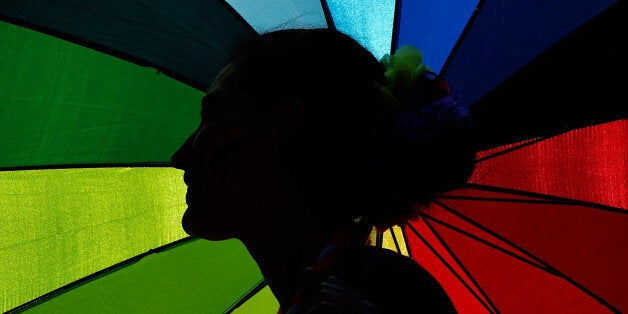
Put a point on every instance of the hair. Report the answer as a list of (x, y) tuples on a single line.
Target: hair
[(347, 132)]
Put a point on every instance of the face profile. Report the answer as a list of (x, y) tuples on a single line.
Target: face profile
[(230, 164)]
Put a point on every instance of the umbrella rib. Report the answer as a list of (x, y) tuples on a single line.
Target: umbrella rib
[(257, 288), (97, 274), (328, 18), (546, 267), (490, 306), (379, 239), (550, 134), (104, 49), (90, 165), (405, 239), (548, 199), (460, 39), (516, 147), (394, 41), (394, 237), (496, 199), (237, 14)]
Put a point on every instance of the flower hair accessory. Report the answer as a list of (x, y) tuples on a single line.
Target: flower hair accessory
[(423, 101)]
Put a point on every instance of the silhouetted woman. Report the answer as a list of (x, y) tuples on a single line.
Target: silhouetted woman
[(307, 142)]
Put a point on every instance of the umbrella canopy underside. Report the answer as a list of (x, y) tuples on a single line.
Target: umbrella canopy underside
[(97, 95)]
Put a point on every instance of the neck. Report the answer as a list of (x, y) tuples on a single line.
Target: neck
[(283, 253)]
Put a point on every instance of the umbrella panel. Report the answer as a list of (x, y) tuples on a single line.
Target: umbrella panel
[(513, 238), (587, 164), (579, 81), (180, 279), (70, 105), (175, 38), (510, 285)]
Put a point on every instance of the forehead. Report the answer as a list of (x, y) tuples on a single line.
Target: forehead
[(225, 93), (221, 77), (219, 87)]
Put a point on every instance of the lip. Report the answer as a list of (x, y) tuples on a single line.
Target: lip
[(186, 178), (188, 198)]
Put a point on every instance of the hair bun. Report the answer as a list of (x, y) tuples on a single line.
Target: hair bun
[(431, 108), (426, 148), (422, 101)]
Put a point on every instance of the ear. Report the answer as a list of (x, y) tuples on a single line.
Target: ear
[(286, 117)]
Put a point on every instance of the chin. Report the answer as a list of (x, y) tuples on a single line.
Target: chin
[(189, 224), (197, 227)]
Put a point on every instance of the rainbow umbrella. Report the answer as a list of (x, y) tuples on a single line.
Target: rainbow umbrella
[(96, 96)]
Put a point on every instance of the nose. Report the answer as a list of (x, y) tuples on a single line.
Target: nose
[(181, 158)]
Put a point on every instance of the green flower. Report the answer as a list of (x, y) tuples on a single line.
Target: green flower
[(402, 70)]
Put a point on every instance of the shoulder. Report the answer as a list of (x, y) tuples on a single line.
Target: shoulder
[(396, 283)]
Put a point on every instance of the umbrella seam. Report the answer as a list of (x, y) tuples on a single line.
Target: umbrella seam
[(546, 267), (489, 307), (148, 164), (103, 49), (252, 292), (550, 199), (328, 17), (77, 283)]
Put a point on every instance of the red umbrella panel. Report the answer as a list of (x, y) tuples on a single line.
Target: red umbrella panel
[(540, 228)]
